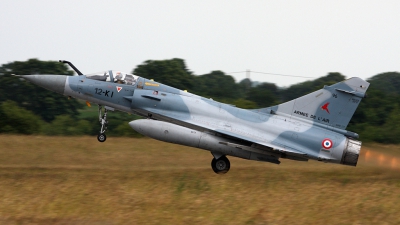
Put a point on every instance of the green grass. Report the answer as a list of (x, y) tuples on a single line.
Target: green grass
[(77, 180)]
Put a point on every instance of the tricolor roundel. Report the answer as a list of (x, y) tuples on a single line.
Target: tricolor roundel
[(327, 143)]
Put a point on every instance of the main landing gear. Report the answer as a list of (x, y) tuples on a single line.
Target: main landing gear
[(103, 121), (221, 165)]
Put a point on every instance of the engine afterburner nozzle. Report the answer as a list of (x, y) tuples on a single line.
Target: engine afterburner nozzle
[(54, 83)]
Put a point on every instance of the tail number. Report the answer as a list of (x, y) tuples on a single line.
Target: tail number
[(106, 93)]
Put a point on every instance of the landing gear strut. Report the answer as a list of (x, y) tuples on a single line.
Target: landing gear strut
[(221, 165), (103, 121)]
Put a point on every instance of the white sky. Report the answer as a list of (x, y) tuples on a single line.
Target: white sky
[(303, 38)]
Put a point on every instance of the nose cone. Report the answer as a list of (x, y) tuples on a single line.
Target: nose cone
[(54, 83)]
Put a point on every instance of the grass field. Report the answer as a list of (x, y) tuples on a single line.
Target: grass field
[(77, 180)]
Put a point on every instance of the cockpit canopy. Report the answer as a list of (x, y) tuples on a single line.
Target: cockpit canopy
[(115, 76)]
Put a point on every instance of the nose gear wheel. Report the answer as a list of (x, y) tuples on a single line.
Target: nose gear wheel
[(101, 137)]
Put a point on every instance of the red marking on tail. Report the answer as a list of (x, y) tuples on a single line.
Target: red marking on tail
[(325, 107)]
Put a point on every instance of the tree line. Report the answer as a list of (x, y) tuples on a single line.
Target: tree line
[(28, 109)]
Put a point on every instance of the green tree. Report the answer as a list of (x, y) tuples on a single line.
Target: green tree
[(172, 72), (17, 120), (40, 101), (264, 95), (374, 109), (376, 117), (245, 84), (390, 131), (304, 88), (65, 125), (245, 104), (217, 85), (386, 82)]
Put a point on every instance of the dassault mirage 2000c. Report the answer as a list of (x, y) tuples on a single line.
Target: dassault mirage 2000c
[(310, 127)]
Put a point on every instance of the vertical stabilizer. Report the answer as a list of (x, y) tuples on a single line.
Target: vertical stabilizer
[(332, 105)]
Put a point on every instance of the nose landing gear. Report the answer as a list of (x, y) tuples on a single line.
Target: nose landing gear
[(103, 121)]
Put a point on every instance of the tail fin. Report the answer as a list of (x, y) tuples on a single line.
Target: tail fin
[(332, 105)]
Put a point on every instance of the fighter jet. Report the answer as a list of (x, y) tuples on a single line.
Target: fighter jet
[(310, 127)]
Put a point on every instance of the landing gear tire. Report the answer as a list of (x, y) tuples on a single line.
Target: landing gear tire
[(220, 165), (101, 137)]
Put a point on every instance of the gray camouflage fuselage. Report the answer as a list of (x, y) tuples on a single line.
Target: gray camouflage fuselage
[(310, 127)]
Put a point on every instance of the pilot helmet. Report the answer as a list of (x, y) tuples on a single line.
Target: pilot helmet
[(118, 76)]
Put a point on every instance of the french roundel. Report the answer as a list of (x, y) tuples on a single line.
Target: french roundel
[(327, 143)]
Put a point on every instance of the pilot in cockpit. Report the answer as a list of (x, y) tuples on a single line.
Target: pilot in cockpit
[(119, 78)]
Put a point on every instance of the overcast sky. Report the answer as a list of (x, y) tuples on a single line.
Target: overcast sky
[(302, 38)]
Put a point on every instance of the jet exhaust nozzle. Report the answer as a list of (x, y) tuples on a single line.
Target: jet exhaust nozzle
[(351, 153)]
